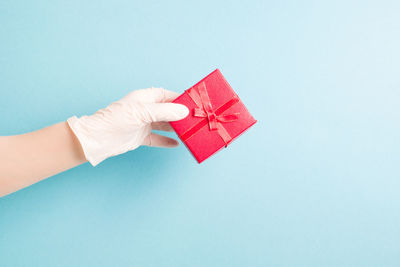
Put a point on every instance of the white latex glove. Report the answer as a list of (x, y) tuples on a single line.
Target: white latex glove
[(126, 124)]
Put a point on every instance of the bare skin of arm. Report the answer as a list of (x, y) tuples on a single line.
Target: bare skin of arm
[(29, 158)]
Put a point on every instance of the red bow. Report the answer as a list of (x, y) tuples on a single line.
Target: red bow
[(214, 117)]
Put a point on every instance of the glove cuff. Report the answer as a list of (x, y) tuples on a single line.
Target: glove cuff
[(85, 138)]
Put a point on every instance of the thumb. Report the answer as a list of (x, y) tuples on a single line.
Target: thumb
[(166, 111)]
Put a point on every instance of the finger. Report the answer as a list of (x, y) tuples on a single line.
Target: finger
[(156, 112), (162, 126), (152, 95), (156, 140)]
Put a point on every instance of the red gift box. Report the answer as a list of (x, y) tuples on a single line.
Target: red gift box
[(217, 116)]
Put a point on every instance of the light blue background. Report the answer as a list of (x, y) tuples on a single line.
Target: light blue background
[(315, 183)]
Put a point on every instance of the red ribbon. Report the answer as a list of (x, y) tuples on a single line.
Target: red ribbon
[(213, 117)]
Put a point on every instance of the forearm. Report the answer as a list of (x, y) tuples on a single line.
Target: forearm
[(29, 158)]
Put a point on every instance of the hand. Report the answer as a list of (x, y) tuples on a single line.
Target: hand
[(128, 123)]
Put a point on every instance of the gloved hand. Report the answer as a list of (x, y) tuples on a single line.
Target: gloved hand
[(127, 124)]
